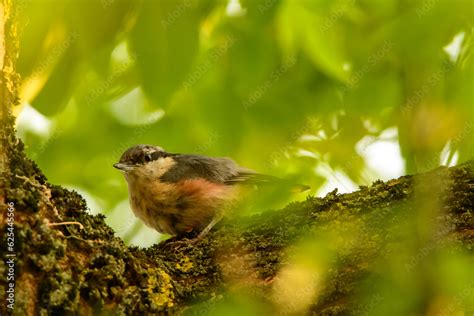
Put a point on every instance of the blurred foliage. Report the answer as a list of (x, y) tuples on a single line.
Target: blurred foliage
[(284, 87), (298, 89)]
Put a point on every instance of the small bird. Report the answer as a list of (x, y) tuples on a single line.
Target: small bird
[(177, 194)]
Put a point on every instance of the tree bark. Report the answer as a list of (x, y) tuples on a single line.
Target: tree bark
[(8, 80), (66, 261)]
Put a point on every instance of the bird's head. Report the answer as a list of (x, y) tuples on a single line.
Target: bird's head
[(145, 160)]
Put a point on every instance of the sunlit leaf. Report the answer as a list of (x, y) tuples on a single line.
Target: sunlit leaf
[(165, 40), (59, 87)]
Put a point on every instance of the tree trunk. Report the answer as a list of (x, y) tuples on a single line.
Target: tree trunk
[(310, 257)]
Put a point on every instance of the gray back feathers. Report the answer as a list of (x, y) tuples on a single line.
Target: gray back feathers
[(217, 170)]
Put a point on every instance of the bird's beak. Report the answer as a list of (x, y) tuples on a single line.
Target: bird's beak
[(123, 166)]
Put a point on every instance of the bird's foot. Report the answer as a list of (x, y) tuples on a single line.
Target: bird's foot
[(178, 242), (190, 238)]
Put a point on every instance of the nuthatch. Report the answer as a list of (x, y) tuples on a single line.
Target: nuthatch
[(181, 193)]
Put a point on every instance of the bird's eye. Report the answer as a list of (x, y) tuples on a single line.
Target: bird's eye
[(148, 158)]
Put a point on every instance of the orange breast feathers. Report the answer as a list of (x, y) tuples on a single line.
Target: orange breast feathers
[(206, 194)]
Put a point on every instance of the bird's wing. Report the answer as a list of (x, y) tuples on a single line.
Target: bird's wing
[(245, 175), (217, 170)]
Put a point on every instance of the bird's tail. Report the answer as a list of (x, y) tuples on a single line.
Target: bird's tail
[(299, 188), (252, 177)]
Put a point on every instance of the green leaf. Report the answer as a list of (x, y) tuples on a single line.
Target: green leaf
[(105, 25), (165, 40), (37, 19), (374, 94), (59, 87), (309, 28)]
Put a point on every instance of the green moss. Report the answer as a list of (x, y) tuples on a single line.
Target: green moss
[(59, 293)]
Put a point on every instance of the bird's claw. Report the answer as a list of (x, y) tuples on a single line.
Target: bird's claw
[(180, 243)]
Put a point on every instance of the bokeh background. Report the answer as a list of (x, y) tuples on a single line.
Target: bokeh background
[(330, 93)]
